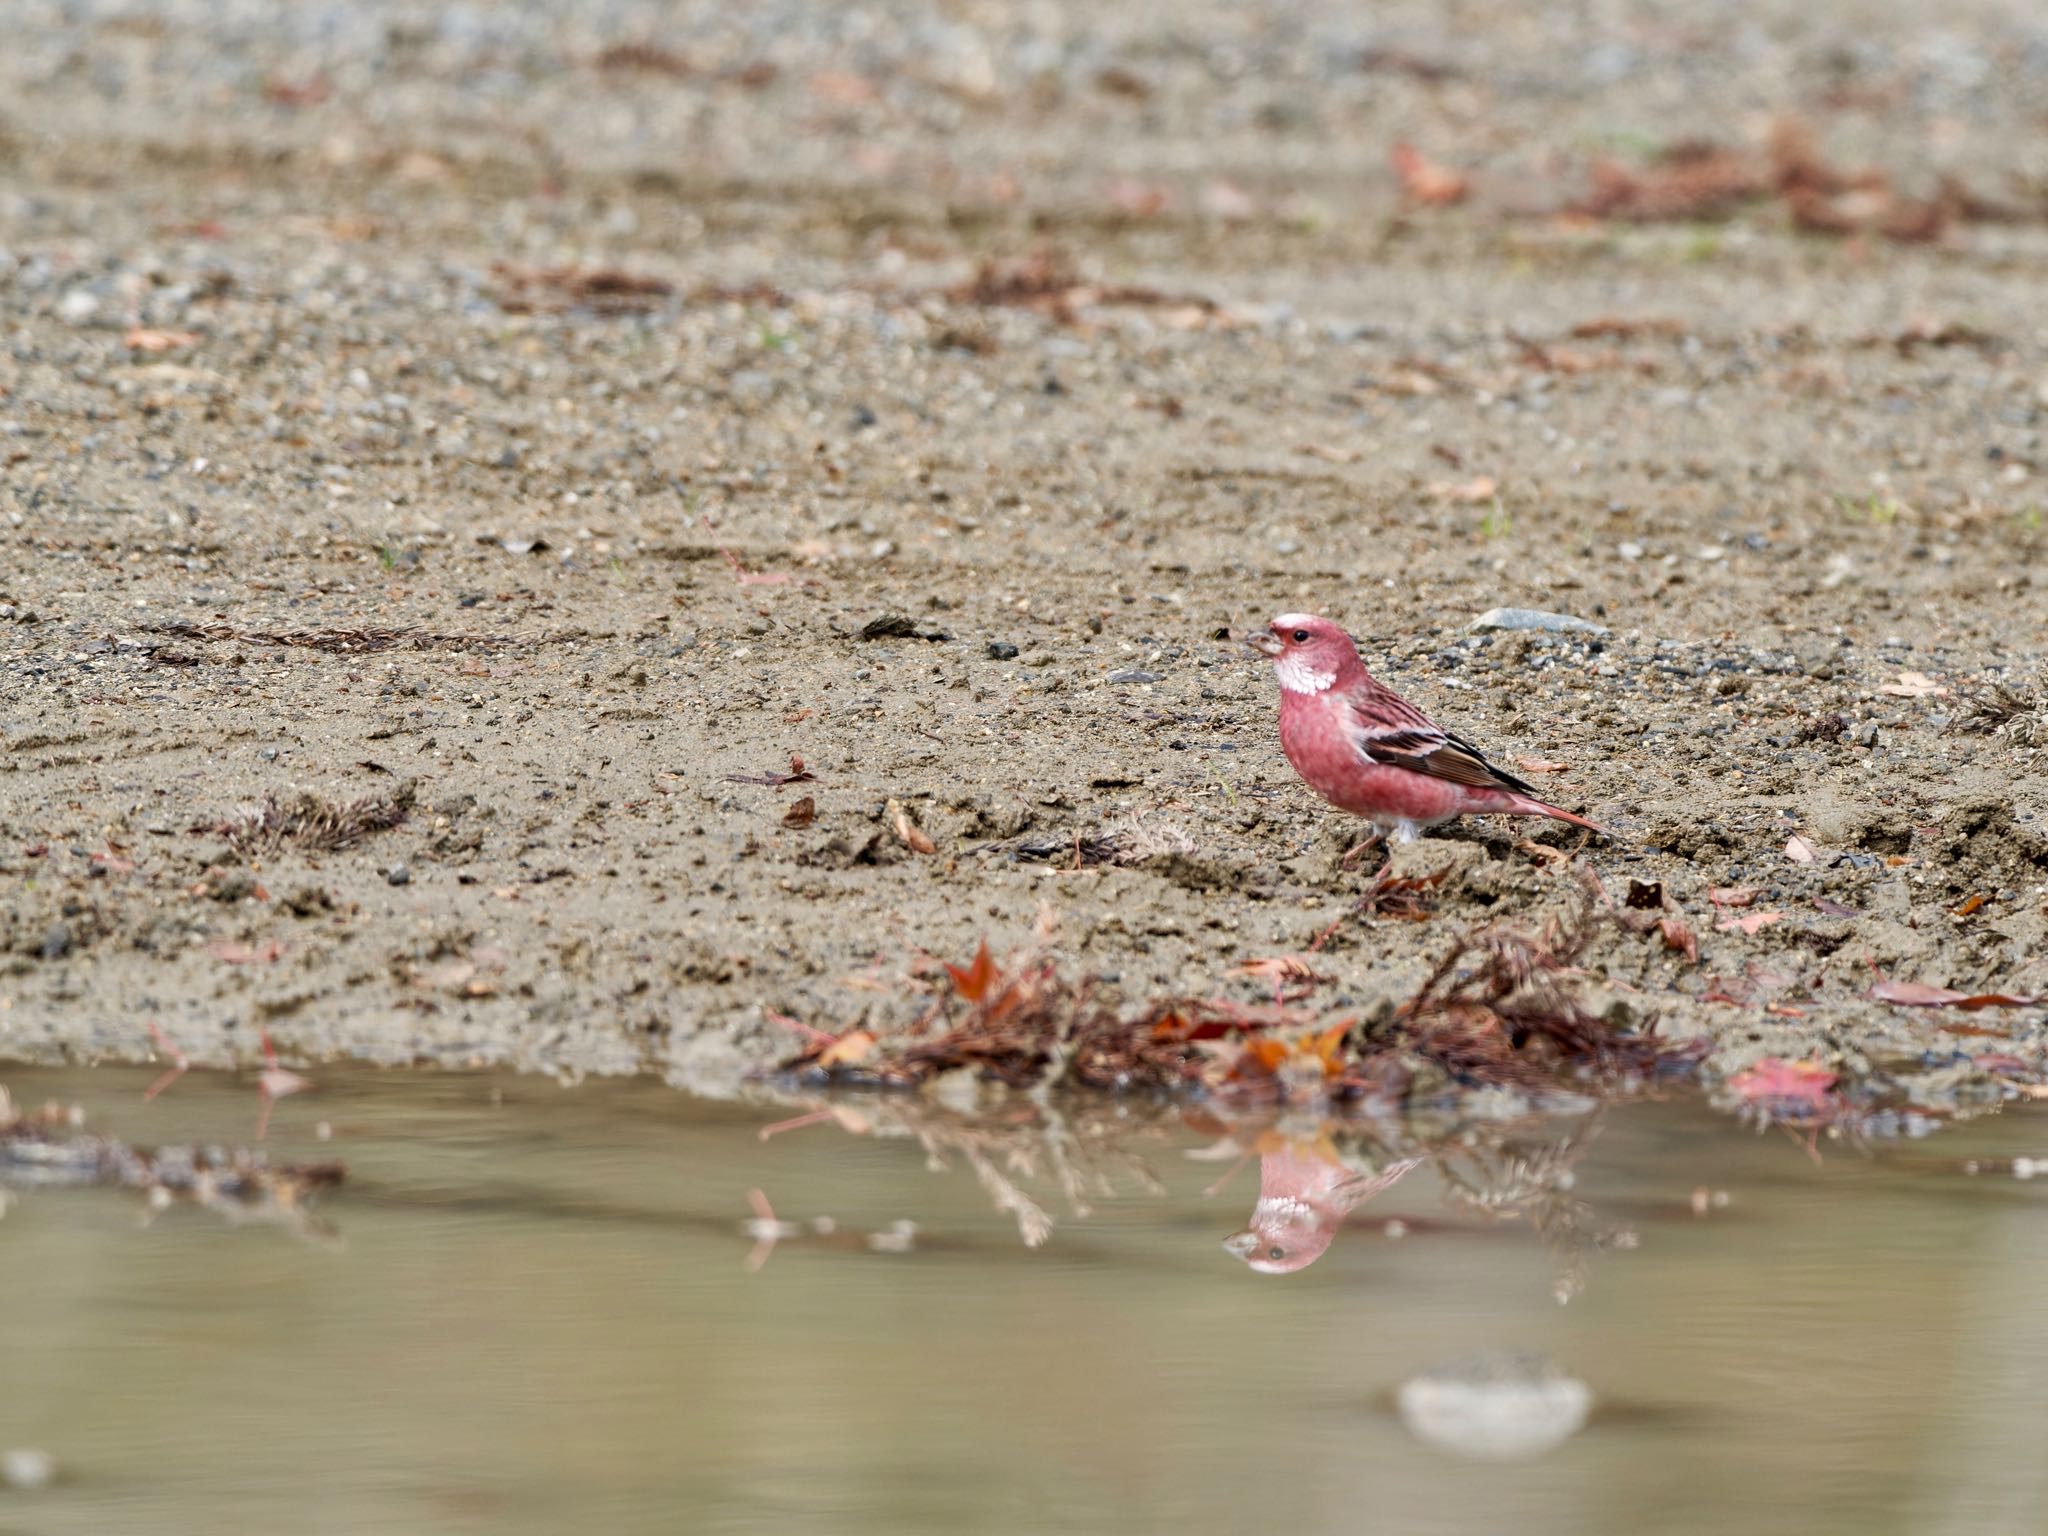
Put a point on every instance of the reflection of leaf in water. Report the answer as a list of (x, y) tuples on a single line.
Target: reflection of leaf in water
[(1515, 1178)]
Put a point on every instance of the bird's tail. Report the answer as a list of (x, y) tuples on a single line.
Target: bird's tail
[(1529, 805)]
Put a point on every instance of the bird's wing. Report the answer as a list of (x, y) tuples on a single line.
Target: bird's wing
[(1387, 729)]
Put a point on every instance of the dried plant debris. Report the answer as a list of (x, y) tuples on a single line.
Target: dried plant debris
[(1503, 1008), (319, 826), (601, 290), (1047, 280), (345, 642), (1702, 180), (1825, 726), (2012, 712), (48, 1147)]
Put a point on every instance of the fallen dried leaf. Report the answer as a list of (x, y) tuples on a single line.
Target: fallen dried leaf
[(1914, 685), (1646, 895), (1542, 852), (1690, 180), (1918, 994), (1749, 924), (1678, 935), (908, 831), (1423, 181), (1138, 199), (265, 953), (1481, 488), (280, 92), (1799, 850), (1279, 968), (1619, 328), (607, 290), (801, 813), (645, 58), (842, 88), (1970, 906), (1829, 908), (798, 774), (1732, 896), (974, 980), (1539, 765), (144, 339)]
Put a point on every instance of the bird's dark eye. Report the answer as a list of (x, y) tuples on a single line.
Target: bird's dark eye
[(1301, 637), (1276, 1253)]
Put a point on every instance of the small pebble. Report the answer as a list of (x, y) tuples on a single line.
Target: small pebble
[(57, 941), (1134, 675), (1001, 650), (24, 1466), (398, 874), (1506, 1406)]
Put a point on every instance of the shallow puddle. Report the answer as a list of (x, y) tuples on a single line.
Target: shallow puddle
[(542, 1306)]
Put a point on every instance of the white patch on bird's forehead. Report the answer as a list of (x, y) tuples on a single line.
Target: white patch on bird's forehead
[(1293, 620), (1297, 676)]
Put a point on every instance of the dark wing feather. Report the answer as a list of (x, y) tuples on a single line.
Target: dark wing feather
[(1402, 736)]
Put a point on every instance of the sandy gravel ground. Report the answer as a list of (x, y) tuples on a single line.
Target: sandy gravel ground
[(444, 458)]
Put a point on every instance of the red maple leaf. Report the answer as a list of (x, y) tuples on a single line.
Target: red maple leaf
[(974, 982)]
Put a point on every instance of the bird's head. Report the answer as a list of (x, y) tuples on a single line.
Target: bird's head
[(1279, 1246), (1310, 654)]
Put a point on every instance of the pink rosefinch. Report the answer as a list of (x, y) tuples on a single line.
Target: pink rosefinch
[(1305, 1192), (1367, 750)]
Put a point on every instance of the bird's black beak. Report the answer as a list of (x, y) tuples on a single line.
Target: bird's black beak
[(1263, 641)]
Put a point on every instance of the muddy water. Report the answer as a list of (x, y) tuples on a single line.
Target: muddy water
[(535, 1308)]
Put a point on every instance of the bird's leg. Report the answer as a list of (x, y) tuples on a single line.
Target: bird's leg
[(1351, 858), (274, 1083), (180, 1065), (764, 1229)]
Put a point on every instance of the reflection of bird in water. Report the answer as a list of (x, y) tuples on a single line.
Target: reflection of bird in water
[(1305, 1192)]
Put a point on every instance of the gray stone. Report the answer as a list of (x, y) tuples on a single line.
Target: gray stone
[(1536, 618)]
